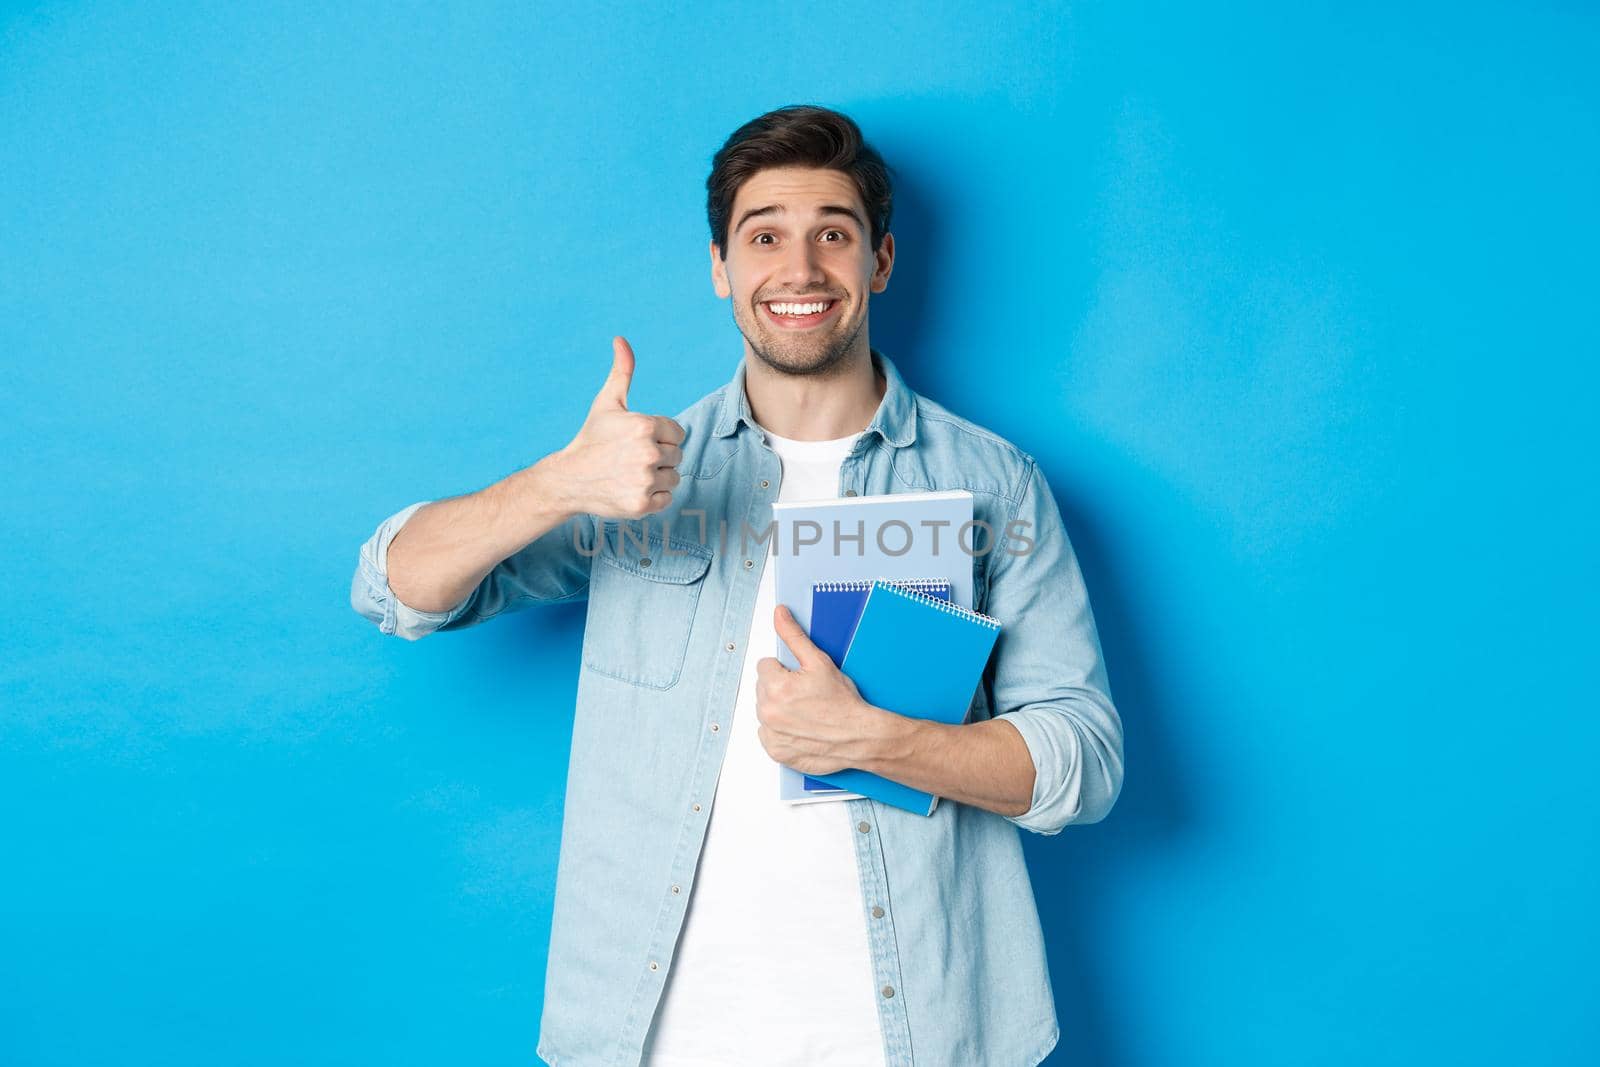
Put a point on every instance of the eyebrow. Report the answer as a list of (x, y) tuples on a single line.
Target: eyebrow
[(778, 209)]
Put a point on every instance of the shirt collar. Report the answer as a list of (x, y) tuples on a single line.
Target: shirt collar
[(895, 420)]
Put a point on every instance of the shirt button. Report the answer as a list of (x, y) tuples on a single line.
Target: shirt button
[(696, 807), (749, 563), (675, 889), (654, 966), (877, 912), (888, 990), (715, 727), (644, 561), (863, 826), (728, 646), (764, 483), (849, 492)]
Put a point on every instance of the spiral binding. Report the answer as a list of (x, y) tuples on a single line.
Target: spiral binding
[(944, 605), (857, 585)]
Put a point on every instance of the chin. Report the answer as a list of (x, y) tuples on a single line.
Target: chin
[(814, 357)]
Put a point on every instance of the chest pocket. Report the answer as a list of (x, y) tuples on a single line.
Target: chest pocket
[(642, 602)]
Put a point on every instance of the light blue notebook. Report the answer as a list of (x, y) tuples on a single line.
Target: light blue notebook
[(890, 535), (919, 656)]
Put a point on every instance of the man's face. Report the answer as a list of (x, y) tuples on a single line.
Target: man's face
[(798, 237)]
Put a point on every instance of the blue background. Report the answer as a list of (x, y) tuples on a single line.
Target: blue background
[(1294, 303)]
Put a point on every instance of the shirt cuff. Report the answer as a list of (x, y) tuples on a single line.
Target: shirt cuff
[(1053, 744), (371, 596)]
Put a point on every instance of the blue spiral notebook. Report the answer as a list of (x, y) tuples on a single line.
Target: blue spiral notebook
[(915, 655), (835, 610)]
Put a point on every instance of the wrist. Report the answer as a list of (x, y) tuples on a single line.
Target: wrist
[(540, 495), (554, 487), (889, 738)]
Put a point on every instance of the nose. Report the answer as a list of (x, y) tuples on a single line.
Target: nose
[(802, 267)]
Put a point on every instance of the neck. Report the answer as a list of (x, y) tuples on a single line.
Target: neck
[(810, 408)]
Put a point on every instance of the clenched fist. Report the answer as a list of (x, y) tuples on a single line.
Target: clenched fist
[(621, 465)]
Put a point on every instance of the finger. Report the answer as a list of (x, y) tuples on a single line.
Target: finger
[(614, 393), (668, 432), (668, 455), (797, 640), (665, 478)]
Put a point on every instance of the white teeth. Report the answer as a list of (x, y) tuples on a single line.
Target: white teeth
[(799, 309)]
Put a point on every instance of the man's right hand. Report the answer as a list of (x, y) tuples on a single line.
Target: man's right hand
[(620, 466), (621, 463)]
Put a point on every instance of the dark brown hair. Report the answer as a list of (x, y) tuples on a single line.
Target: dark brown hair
[(801, 135)]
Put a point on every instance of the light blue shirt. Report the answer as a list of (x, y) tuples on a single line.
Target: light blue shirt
[(960, 975)]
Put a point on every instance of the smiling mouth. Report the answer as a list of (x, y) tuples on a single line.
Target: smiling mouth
[(799, 314)]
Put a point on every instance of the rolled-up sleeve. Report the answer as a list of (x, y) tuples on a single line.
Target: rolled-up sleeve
[(553, 568), (1047, 675)]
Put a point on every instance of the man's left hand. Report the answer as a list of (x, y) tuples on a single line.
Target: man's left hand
[(812, 719)]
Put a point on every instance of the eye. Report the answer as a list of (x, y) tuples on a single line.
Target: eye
[(762, 234), (841, 233)]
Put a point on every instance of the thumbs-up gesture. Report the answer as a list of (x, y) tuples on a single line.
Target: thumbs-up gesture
[(814, 719), (621, 465)]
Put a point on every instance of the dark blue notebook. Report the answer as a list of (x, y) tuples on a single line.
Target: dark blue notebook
[(835, 610)]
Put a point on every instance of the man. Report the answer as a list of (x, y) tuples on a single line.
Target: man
[(698, 920)]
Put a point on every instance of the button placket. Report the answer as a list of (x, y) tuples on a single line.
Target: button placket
[(880, 935), (709, 758)]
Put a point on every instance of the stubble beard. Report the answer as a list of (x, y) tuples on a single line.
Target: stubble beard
[(800, 356)]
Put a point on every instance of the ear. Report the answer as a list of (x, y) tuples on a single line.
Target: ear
[(719, 273), (883, 264)]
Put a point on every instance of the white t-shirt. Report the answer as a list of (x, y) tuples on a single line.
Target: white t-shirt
[(772, 966)]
